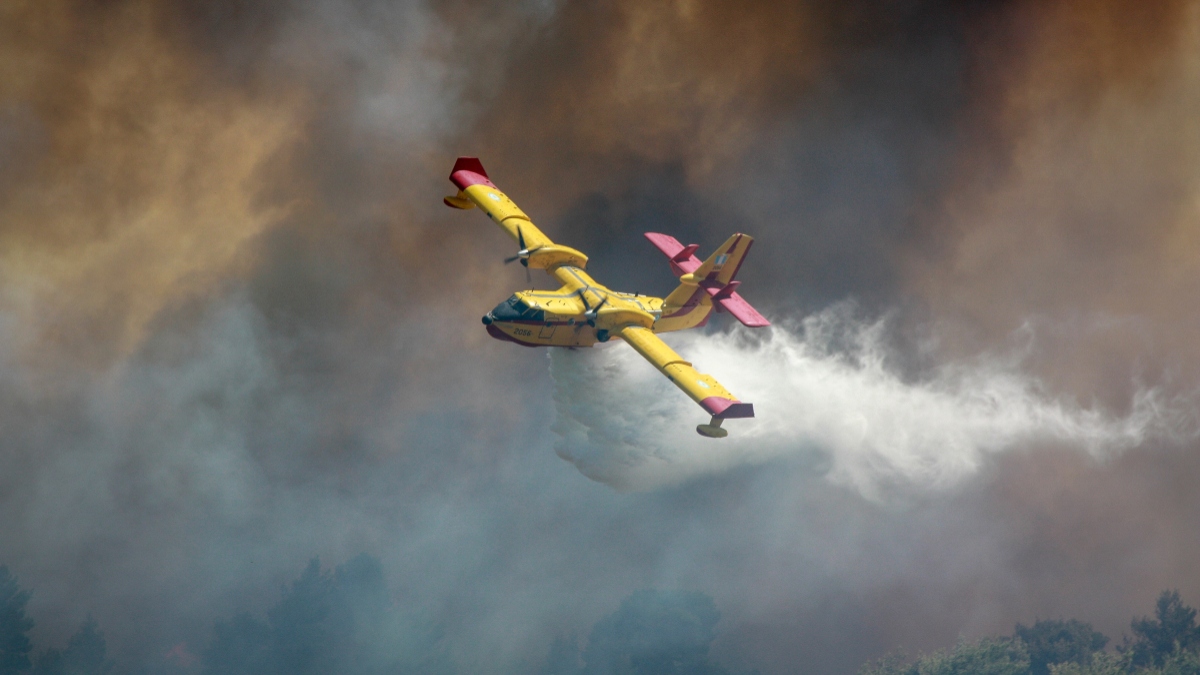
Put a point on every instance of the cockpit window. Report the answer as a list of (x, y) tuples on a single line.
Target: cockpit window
[(516, 309), (533, 314)]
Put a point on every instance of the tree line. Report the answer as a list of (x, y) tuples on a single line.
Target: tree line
[(1167, 643), (327, 621), (345, 621), (84, 654)]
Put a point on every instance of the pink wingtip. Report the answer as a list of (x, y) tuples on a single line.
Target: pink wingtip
[(727, 409)]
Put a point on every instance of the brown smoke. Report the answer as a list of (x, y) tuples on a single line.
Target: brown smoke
[(135, 176), (610, 86), (1075, 206)]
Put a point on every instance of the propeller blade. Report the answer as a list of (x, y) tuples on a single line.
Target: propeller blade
[(523, 253), (593, 311)]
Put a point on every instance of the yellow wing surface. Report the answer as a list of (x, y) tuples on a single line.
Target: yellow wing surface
[(703, 389)]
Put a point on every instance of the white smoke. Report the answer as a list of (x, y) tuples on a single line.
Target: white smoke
[(822, 394)]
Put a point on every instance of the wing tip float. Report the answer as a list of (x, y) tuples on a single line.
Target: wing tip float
[(721, 410), (701, 388), (629, 319)]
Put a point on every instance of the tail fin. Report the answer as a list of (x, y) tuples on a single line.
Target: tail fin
[(723, 265), (471, 164), (715, 276)]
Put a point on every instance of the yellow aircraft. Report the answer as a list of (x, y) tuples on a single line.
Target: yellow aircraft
[(582, 312)]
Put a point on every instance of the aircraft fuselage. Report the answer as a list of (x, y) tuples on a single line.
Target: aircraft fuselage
[(580, 313), (559, 318)]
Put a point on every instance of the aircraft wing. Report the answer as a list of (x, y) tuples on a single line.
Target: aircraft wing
[(476, 189), (703, 389)]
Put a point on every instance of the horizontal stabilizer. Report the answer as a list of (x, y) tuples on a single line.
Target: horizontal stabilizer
[(727, 299), (683, 259), (687, 253), (729, 290), (717, 272), (742, 311)]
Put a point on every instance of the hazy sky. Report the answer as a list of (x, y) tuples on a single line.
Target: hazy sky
[(240, 329)]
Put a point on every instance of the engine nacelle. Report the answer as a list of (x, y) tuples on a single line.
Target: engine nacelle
[(612, 318), (555, 255)]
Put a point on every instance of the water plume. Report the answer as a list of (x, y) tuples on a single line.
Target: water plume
[(825, 393)]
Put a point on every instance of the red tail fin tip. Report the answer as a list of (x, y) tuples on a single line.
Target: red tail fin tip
[(471, 164)]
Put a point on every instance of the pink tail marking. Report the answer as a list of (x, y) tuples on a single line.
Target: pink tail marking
[(683, 259)]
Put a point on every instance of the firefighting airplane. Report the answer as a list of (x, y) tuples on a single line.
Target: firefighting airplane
[(582, 312)]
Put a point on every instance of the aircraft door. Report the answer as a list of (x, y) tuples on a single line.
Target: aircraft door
[(547, 332)]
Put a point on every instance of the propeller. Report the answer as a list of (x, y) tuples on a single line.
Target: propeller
[(522, 255), (590, 312), (586, 308)]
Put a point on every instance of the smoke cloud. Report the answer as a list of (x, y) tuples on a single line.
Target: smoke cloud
[(238, 329)]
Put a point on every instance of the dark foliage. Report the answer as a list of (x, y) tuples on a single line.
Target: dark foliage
[(14, 625), (1173, 629), (1168, 644), (307, 633), (1052, 642), (239, 647), (655, 633), (345, 621), (340, 621), (984, 657)]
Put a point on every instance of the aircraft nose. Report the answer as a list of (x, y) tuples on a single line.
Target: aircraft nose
[(487, 319)]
